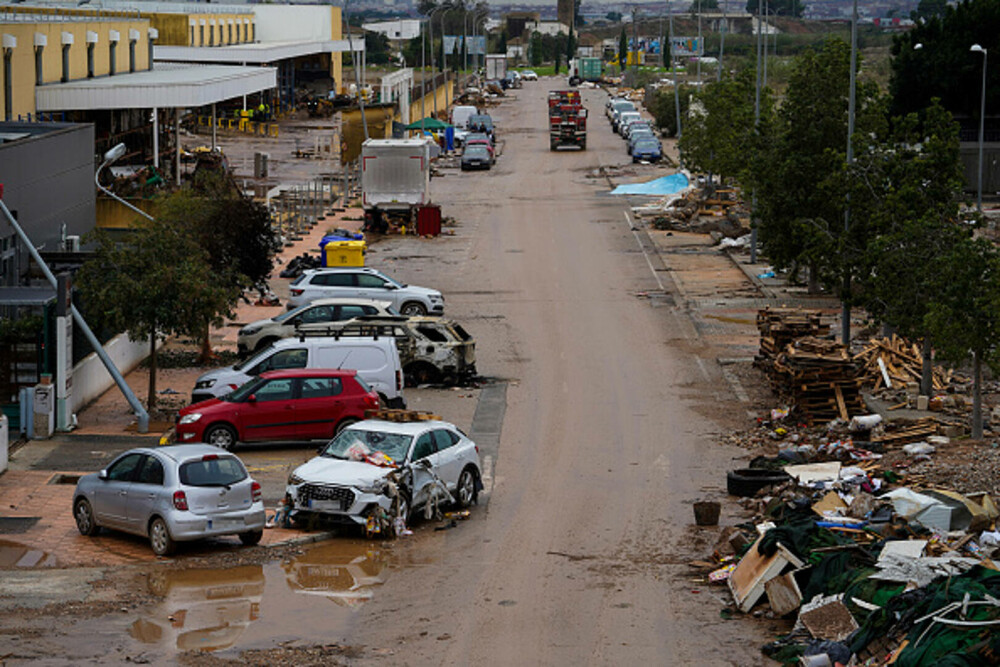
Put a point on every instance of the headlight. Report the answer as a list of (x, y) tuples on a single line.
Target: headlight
[(294, 480), (436, 297), (377, 487), (251, 330), (190, 418), (204, 384)]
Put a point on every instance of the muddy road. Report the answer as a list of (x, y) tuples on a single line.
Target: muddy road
[(597, 440)]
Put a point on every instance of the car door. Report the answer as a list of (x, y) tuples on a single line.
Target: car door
[(318, 409), (372, 286), (145, 493), (270, 412), (449, 462), (424, 448), (111, 496)]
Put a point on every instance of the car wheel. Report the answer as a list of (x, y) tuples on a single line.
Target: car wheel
[(221, 435), (159, 538), (421, 372), (251, 538), (465, 491), (344, 423), (84, 515), (413, 308), (405, 510)]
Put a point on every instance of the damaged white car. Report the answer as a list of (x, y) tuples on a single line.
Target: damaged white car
[(376, 471)]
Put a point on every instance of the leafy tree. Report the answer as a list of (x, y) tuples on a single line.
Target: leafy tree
[(719, 131), (943, 67), (796, 168), (614, 17), (157, 281), (234, 231), (622, 49), (664, 109), (703, 5), (570, 46), (908, 189), (377, 48), (537, 54), (965, 319), (929, 9)]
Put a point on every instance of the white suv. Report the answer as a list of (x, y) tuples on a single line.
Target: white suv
[(258, 335), (364, 283)]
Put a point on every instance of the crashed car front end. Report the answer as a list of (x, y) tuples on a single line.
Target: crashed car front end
[(338, 498)]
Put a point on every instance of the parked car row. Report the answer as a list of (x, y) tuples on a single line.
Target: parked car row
[(640, 138), (478, 139)]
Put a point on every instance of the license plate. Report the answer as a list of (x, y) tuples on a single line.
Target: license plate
[(225, 524), (325, 505)]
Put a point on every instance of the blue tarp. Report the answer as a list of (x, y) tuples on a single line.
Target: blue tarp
[(668, 185)]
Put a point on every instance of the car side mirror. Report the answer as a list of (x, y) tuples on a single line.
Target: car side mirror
[(103, 475), (389, 286), (252, 398)]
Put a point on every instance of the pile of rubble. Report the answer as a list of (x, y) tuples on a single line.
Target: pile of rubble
[(877, 537), (722, 213)]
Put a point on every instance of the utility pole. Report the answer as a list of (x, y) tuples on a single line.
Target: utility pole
[(845, 310), (423, 78), (701, 49), (765, 47), (635, 46), (756, 123), (722, 40), (673, 72)]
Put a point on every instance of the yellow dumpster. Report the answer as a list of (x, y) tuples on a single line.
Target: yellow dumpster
[(344, 253)]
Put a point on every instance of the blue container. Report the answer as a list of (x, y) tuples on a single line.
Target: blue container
[(449, 138)]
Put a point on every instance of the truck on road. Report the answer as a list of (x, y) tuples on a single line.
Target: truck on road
[(585, 69), (496, 66), (567, 120), (395, 180)]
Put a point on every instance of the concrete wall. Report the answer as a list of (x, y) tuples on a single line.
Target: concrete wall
[(48, 180), (91, 378), (303, 23), (445, 95), (23, 73)]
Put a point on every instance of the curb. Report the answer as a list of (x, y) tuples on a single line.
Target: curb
[(305, 539)]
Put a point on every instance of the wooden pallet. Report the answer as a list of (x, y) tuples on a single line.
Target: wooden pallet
[(401, 416)]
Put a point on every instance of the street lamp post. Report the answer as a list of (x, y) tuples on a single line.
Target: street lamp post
[(430, 27), (982, 116), (423, 79)]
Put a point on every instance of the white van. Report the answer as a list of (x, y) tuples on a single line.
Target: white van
[(375, 359), (460, 116)]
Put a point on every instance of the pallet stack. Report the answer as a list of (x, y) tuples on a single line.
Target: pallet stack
[(819, 378), (902, 361), (779, 327)]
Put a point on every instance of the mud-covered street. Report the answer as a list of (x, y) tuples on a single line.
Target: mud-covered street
[(599, 430)]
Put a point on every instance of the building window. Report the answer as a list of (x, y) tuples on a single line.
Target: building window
[(39, 78), (131, 55), (65, 63), (90, 60), (192, 36), (112, 58), (211, 35), (253, 32)]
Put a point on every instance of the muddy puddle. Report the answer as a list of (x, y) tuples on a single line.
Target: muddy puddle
[(309, 598), (14, 555)]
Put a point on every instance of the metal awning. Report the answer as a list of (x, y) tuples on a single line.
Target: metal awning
[(257, 53), (26, 296), (167, 86)]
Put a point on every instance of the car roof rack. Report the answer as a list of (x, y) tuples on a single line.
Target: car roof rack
[(351, 329)]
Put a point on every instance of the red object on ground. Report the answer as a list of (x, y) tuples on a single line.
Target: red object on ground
[(429, 220)]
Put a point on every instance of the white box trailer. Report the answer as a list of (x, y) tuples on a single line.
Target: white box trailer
[(496, 66), (395, 173)]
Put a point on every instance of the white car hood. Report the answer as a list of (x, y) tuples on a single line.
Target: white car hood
[(325, 470), (223, 378)]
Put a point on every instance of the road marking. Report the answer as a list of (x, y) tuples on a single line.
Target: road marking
[(734, 382), (487, 473), (645, 253)]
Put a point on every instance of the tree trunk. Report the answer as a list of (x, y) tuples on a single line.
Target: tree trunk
[(977, 397), (813, 278), (926, 369), (206, 347), (151, 399)]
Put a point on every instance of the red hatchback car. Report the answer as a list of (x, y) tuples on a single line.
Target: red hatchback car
[(293, 404)]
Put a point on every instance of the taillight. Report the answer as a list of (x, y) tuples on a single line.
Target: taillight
[(399, 380), (180, 500), (255, 491), (210, 457), (295, 292), (371, 400)]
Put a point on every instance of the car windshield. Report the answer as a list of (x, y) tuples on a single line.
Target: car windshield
[(239, 395), (647, 146), (252, 361), (289, 314), (212, 470), (360, 445), (476, 150)]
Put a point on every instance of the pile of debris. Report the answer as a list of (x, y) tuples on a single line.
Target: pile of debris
[(779, 327), (873, 571), (893, 362), (819, 377), (699, 212)]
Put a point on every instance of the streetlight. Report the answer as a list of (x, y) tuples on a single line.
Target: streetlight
[(982, 114), (109, 157), (430, 26)]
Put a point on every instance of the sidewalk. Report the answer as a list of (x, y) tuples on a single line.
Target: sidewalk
[(37, 528)]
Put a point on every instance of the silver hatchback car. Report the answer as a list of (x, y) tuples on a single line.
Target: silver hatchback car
[(172, 494)]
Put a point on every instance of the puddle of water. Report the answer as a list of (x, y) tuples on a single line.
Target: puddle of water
[(13, 554), (212, 609)]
